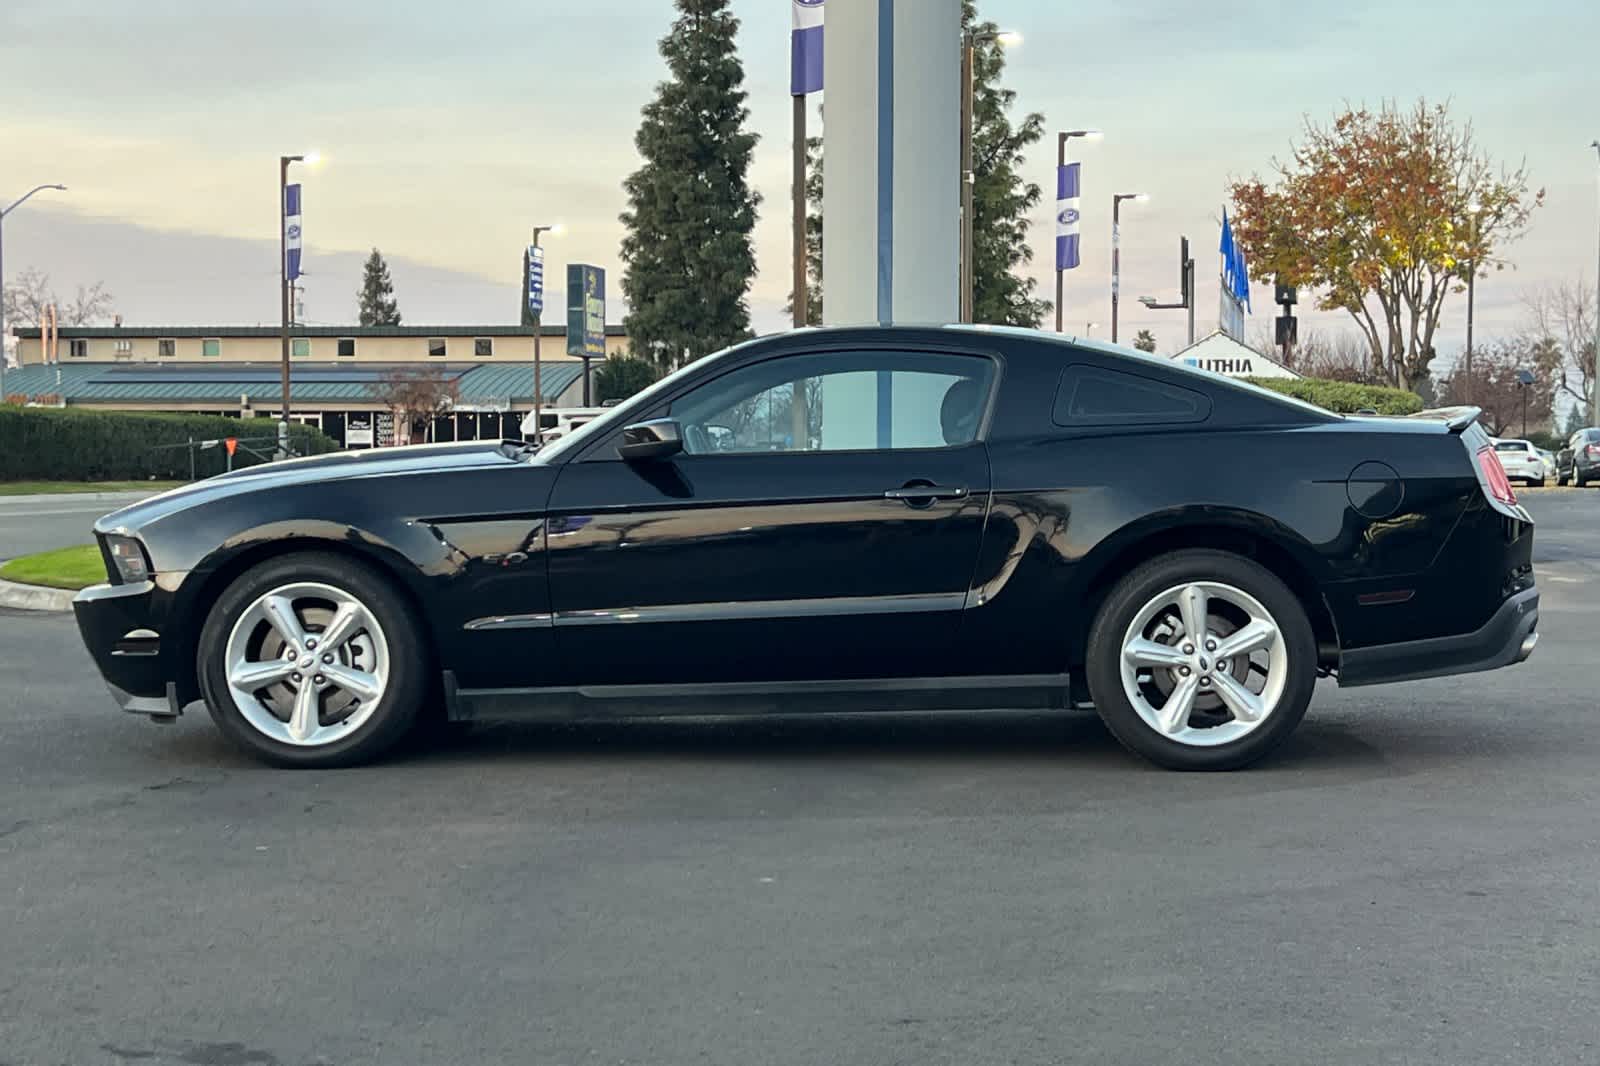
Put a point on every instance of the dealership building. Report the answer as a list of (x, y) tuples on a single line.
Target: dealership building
[(336, 373)]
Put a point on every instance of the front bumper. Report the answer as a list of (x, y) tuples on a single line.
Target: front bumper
[(120, 627), (1507, 638)]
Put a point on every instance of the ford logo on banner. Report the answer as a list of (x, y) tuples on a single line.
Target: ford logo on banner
[(809, 3), (294, 232), (1069, 216)]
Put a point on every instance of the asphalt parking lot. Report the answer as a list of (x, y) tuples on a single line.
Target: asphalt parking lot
[(1414, 880)]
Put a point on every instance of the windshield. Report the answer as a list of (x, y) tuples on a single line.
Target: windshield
[(613, 418)]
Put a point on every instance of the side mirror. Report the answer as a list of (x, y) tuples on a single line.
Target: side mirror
[(659, 438)]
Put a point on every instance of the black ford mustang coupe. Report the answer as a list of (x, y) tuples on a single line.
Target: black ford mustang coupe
[(835, 520)]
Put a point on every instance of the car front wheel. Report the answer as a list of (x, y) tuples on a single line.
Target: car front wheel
[(312, 660), (1201, 660)]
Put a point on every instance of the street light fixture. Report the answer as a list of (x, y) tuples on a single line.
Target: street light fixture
[(18, 202), (554, 229), (1061, 162), (1116, 250), (969, 44), (284, 292)]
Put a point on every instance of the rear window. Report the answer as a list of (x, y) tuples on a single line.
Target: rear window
[(1096, 396), (1510, 446)]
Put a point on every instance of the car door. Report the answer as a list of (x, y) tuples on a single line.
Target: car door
[(822, 521)]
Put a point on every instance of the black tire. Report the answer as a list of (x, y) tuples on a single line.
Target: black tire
[(1578, 480), (1536, 483), (1150, 580), (1562, 481), (408, 660)]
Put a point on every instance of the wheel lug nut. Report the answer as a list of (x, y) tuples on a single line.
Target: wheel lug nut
[(319, 679), (327, 658), (291, 654), (1205, 682), (1188, 649), (1211, 645), (1184, 671), (297, 677), (310, 644)]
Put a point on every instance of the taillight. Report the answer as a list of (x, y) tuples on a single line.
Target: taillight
[(1494, 476), (1592, 451)]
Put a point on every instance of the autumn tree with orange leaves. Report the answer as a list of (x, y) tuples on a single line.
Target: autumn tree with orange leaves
[(1384, 214)]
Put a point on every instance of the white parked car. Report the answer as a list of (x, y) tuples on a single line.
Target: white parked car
[(1522, 461), (1549, 461)]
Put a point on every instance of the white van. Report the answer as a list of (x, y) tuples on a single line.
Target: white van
[(558, 422)]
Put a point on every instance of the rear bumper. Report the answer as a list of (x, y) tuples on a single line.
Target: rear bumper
[(121, 628), (1508, 637)]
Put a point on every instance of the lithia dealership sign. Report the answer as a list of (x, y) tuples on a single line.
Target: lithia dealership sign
[(1221, 354)]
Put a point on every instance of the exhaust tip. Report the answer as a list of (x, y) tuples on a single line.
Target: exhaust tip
[(1528, 643)]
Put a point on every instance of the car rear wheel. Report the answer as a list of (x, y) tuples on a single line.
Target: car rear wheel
[(312, 660), (1201, 660), (1536, 482)]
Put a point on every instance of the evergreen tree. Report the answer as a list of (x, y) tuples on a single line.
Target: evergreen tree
[(1001, 198), (813, 234), (1145, 341), (378, 306), (687, 256), (1576, 419), (620, 376)]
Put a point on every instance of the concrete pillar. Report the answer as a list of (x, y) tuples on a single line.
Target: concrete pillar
[(891, 205)]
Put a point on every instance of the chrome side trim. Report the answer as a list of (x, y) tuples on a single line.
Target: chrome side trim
[(751, 610), (509, 621), (736, 610)]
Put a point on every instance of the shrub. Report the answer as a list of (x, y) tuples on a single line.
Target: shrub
[(1345, 397), (71, 444)]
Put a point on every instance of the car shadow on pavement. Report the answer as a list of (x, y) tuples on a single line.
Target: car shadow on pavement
[(1070, 740)]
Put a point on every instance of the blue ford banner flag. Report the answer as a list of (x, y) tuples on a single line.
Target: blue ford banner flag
[(291, 231), (1235, 271), (535, 279), (805, 48), (1068, 216)]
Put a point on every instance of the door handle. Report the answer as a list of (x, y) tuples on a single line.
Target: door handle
[(922, 494)]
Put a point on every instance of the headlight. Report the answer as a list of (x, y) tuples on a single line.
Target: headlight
[(127, 556)]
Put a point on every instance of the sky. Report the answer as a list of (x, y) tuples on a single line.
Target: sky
[(450, 129)]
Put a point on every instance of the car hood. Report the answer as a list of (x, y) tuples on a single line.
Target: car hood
[(336, 466)]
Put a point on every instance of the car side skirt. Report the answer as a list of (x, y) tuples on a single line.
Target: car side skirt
[(754, 699)]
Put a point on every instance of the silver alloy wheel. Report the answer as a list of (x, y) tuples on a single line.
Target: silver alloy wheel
[(307, 664), (1204, 664)]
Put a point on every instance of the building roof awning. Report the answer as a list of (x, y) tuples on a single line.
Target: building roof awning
[(260, 384)]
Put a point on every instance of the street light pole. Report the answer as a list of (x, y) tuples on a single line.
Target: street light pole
[(1061, 162), (1472, 277), (1594, 409), (18, 202), (969, 47), (1116, 252), (284, 293), (538, 330)]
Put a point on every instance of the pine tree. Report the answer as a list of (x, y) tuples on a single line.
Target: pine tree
[(620, 376), (1145, 341), (378, 306), (687, 256), (1001, 199), (813, 234)]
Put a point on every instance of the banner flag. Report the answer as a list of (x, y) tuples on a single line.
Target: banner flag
[(1068, 216), (805, 48), (291, 230)]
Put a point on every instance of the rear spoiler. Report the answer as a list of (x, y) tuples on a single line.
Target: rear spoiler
[(1456, 419)]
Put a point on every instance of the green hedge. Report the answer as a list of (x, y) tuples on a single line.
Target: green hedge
[(1344, 397), (71, 444)]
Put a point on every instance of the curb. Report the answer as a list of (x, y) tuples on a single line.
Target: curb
[(34, 597)]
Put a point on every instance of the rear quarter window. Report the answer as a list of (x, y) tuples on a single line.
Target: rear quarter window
[(1097, 396)]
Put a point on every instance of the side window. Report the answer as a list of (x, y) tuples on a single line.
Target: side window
[(839, 401), (1098, 396)]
